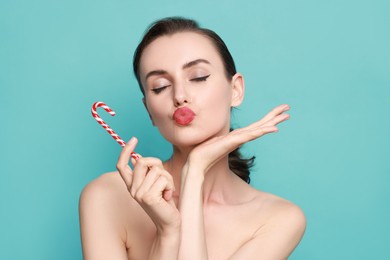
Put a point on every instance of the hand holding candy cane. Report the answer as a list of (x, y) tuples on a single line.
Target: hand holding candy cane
[(148, 179), (107, 127)]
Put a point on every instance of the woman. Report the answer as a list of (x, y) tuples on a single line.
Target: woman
[(198, 204)]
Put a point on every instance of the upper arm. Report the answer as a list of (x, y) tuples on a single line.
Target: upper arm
[(276, 239), (101, 235)]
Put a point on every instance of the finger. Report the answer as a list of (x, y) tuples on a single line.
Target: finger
[(261, 131), (162, 185), (266, 125), (134, 160), (125, 154), (149, 180), (167, 194), (154, 194), (123, 161), (151, 177), (150, 161), (249, 134), (141, 169), (275, 112), (277, 120)]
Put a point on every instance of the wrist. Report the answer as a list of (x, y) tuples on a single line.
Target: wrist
[(169, 234), (192, 179), (193, 168), (169, 229), (166, 245)]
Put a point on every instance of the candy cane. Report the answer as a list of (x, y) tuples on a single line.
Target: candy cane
[(107, 127)]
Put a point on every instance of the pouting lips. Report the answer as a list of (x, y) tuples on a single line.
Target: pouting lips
[(183, 116)]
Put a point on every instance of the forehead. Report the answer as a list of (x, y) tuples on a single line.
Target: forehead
[(170, 52)]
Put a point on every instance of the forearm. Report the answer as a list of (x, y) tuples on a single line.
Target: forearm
[(165, 246), (193, 241)]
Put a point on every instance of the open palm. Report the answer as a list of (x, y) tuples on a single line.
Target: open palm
[(208, 153)]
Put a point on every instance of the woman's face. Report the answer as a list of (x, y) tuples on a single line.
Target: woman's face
[(185, 70)]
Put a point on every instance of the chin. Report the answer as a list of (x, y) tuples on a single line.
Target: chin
[(186, 141), (192, 136)]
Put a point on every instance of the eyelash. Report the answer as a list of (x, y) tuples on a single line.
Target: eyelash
[(158, 90), (199, 79), (204, 78)]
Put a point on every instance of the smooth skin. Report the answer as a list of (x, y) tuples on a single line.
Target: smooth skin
[(191, 206)]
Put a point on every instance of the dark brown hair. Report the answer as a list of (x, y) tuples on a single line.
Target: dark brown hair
[(172, 25)]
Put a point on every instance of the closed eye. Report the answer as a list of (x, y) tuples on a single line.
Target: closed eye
[(200, 78), (158, 90)]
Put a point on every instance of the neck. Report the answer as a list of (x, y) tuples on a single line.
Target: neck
[(218, 181), (175, 164), (221, 185)]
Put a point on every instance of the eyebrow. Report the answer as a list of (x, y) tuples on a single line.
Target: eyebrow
[(185, 66), (155, 73), (194, 62)]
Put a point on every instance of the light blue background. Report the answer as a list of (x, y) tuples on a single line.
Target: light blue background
[(328, 59)]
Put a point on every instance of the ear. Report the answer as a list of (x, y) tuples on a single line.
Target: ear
[(238, 90), (146, 106)]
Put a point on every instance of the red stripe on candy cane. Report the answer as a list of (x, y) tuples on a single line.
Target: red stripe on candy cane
[(107, 127)]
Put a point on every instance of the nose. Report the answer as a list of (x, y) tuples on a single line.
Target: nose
[(181, 95)]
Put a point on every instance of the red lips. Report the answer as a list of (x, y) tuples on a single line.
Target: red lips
[(183, 116)]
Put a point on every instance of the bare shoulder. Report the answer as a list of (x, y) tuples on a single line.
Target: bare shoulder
[(279, 227), (280, 211), (112, 222), (284, 221), (106, 184), (104, 190), (279, 207), (103, 216), (108, 194)]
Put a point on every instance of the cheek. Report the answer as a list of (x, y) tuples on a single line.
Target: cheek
[(156, 112), (219, 95), (216, 104), (151, 108)]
